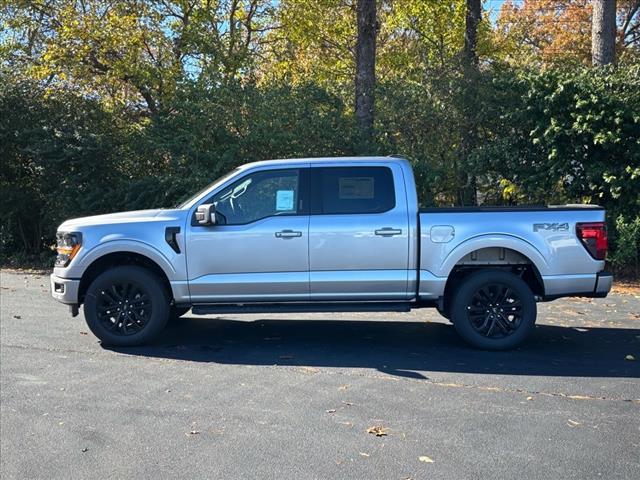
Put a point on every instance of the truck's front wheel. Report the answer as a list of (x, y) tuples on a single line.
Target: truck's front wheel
[(493, 310), (126, 306)]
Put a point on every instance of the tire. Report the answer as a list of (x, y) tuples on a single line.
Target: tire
[(493, 310), (126, 285), (444, 312), (176, 312)]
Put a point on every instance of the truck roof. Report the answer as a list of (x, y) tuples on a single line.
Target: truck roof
[(287, 161)]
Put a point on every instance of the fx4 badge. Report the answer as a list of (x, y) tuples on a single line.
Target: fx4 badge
[(550, 227)]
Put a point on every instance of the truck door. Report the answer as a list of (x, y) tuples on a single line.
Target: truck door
[(259, 250), (358, 233)]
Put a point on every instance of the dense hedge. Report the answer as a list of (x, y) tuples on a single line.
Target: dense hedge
[(540, 137)]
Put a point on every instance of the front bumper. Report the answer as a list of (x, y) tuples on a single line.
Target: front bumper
[(65, 290)]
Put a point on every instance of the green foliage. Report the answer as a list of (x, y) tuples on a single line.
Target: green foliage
[(418, 121), (564, 136), (59, 158), (65, 156), (626, 254)]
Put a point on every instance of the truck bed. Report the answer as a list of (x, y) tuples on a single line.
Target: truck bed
[(514, 208), (542, 236)]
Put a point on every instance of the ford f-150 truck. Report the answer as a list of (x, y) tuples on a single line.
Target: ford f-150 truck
[(327, 235)]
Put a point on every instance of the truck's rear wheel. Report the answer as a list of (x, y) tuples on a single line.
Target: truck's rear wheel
[(126, 306), (493, 310)]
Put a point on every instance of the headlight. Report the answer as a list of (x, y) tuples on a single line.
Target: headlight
[(67, 245)]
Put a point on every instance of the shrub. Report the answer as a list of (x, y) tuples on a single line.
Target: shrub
[(625, 257)]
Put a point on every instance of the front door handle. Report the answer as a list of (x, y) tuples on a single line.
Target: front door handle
[(388, 232), (288, 234)]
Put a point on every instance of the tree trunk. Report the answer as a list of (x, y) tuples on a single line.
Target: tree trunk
[(468, 133), (603, 32), (365, 73), (474, 15)]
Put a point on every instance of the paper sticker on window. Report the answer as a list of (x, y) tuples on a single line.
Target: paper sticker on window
[(284, 200), (356, 188)]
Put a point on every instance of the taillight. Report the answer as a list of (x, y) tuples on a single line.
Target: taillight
[(594, 238)]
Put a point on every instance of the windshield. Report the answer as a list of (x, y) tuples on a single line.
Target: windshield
[(185, 202)]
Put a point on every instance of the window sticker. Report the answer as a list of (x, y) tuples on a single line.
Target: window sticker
[(284, 200), (356, 188)]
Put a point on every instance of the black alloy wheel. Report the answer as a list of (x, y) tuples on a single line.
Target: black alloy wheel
[(493, 309), (126, 306)]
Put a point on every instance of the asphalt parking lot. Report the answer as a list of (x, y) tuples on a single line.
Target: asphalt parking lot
[(292, 396)]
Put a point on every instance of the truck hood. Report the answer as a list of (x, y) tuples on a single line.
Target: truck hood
[(136, 216)]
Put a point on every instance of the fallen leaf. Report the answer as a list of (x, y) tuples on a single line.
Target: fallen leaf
[(193, 432), (349, 404), (85, 449), (331, 410), (425, 459), (310, 369), (631, 358), (83, 333), (17, 316), (573, 423), (343, 387), (364, 454), (529, 398), (378, 431)]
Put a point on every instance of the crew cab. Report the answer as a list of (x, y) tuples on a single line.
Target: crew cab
[(327, 235)]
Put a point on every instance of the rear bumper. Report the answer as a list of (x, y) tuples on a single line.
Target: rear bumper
[(595, 285), (604, 282), (65, 290)]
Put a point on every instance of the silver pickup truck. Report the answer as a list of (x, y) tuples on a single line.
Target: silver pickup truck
[(327, 235)]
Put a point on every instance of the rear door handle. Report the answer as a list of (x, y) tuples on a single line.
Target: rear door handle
[(388, 232), (288, 234)]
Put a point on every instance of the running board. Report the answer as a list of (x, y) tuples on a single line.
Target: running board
[(302, 307)]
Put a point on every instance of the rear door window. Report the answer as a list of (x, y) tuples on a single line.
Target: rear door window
[(353, 190)]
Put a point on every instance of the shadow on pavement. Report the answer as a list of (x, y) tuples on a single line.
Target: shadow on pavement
[(396, 348)]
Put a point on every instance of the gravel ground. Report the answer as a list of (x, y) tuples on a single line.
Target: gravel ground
[(292, 396)]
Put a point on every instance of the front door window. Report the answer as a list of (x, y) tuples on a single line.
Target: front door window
[(259, 195)]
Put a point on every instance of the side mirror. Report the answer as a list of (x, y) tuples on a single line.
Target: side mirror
[(206, 214)]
